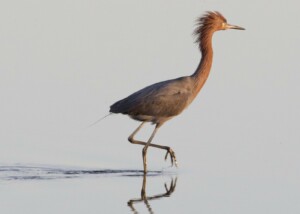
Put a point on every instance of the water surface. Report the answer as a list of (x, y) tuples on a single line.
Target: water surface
[(49, 189)]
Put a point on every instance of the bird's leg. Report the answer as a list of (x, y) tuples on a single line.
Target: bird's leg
[(146, 147), (130, 138), (167, 148)]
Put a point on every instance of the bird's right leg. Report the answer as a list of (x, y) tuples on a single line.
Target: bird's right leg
[(167, 148)]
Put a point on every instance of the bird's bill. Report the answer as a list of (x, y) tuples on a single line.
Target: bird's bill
[(228, 26)]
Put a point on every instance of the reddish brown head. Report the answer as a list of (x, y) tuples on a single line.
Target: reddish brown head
[(211, 22)]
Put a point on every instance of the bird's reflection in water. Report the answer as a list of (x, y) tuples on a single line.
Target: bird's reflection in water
[(145, 199)]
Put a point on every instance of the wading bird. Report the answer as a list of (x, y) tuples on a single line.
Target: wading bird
[(162, 101)]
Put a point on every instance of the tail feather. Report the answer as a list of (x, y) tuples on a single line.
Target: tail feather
[(97, 121)]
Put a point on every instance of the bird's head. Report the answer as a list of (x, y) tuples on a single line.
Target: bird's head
[(215, 21), (211, 22)]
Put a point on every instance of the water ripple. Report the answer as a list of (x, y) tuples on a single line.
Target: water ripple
[(25, 172)]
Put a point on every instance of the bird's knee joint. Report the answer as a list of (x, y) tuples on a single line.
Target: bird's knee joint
[(145, 150), (130, 139)]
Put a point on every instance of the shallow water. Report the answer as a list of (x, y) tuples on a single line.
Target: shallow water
[(52, 189), (49, 189)]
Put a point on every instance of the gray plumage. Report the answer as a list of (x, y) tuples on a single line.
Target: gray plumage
[(158, 102)]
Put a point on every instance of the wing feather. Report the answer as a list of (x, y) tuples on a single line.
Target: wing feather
[(166, 99)]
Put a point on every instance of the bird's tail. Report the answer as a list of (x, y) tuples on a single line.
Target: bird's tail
[(97, 121)]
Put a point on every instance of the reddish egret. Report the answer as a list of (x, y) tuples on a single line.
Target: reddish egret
[(162, 101)]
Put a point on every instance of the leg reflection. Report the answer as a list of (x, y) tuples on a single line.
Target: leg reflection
[(144, 198)]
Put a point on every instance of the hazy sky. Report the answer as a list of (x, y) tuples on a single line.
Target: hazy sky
[(63, 63)]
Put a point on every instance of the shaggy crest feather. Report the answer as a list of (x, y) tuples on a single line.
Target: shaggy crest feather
[(207, 23)]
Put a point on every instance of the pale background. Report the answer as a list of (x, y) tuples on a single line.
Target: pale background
[(63, 63)]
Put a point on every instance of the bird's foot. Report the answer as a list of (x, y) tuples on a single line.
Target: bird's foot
[(172, 156)]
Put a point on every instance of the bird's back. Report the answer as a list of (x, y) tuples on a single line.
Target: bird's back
[(161, 100)]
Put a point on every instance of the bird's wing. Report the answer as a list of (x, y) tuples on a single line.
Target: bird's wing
[(165, 105), (166, 99)]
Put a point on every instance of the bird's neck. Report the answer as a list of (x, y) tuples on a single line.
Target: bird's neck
[(201, 74)]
